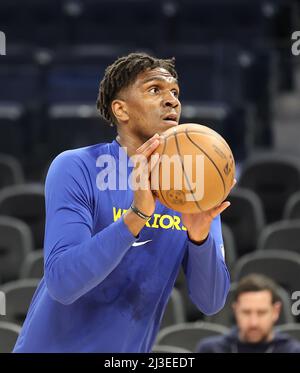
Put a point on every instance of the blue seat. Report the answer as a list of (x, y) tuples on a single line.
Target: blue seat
[(20, 100), (11, 132), (39, 23), (19, 82), (221, 20), (206, 72), (132, 22), (74, 73), (75, 125)]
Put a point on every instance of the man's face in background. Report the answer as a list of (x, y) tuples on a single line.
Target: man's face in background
[(256, 315)]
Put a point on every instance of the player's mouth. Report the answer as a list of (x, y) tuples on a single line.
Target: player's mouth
[(171, 119)]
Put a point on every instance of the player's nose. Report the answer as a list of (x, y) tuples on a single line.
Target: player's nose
[(169, 100)]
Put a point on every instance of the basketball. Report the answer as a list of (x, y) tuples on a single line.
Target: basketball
[(195, 171)]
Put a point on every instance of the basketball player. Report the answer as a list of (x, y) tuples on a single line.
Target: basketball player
[(108, 276)]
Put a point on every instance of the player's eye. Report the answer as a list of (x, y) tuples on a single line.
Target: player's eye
[(154, 90), (175, 93)]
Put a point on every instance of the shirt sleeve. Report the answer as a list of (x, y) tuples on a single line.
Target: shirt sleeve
[(207, 276), (75, 260)]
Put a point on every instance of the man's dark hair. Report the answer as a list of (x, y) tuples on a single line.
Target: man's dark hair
[(256, 282), (124, 72)]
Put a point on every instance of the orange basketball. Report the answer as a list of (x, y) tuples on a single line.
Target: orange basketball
[(196, 169)]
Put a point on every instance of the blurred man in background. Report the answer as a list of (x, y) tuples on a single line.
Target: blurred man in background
[(256, 308)]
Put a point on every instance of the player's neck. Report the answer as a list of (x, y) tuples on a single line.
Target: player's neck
[(130, 142)]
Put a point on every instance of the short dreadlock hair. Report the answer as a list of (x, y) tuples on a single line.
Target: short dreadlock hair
[(122, 73)]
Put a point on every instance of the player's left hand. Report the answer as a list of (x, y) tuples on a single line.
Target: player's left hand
[(198, 225)]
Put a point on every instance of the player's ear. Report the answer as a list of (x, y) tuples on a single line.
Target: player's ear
[(276, 311), (119, 109)]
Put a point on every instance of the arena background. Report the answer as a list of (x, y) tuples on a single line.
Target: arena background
[(239, 72)]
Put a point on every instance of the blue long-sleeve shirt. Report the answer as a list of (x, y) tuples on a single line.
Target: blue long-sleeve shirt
[(103, 289)]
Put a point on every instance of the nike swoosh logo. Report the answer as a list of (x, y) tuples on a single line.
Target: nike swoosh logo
[(140, 243), (222, 250)]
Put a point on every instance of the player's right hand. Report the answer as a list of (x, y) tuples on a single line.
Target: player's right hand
[(143, 198)]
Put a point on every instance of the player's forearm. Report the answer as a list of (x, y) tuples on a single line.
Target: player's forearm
[(207, 276), (72, 271)]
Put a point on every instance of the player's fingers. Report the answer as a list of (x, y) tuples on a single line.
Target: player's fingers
[(143, 157), (233, 184), (219, 209), (147, 143), (153, 161), (150, 148)]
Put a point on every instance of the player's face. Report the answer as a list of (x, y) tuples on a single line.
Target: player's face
[(255, 315), (152, 103)]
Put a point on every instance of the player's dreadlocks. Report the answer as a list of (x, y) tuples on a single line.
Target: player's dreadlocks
[(122, 73)]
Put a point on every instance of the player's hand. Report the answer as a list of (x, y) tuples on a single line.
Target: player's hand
[(198, 225), (143, 198)]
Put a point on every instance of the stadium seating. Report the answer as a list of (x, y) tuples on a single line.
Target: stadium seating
[(37, 24), (274, 178), (282, 266), (11, 171), (33, 265), (245, 217), (75, 126), (188, 335), (282, 235), (292, 207), (20, 101), (230, 246), (292, 329), (191, 312), (15, 243), (8, 336), (218, 20), (26, 202), (74, 73), (163, 349), (233, 58), (136, 22), (18, 298), (11, 139), (174, 312)]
